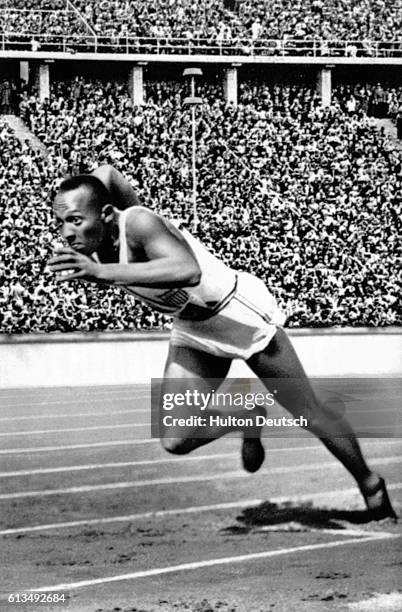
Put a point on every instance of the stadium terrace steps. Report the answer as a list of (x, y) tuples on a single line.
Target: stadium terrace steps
[(23, 133), (390, 130)]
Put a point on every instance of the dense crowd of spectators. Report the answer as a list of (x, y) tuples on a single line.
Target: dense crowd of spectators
[(33, 22), (239, 23), (307, 198), (210, 19), (219, 20), (41, 25), (326, 19), (49, 18), (377, 101), (26, 5)]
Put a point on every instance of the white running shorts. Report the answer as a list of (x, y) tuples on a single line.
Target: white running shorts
[(245, 326)]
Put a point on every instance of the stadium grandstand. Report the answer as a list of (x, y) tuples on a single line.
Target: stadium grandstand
[(363, 28), (305, 155)]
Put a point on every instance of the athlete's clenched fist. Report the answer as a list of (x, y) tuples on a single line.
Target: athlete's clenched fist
[(68, 264)]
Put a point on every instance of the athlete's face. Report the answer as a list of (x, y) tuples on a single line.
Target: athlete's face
[(80, 223)]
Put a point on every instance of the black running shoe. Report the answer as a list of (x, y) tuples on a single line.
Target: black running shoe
[(378, 502), (252, 454)]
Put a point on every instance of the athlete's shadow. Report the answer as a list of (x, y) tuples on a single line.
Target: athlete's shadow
[(295, 517)]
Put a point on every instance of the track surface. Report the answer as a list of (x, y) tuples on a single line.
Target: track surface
[(91, 506)]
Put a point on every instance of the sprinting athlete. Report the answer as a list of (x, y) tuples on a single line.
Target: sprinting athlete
[(218, 315)]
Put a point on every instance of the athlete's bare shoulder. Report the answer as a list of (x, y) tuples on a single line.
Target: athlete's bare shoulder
[(150, 233), (143, 225)]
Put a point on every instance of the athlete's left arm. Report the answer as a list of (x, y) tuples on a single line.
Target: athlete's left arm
[(170, 262)]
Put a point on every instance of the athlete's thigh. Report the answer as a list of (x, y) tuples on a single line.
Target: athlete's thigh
[(187, 371), (186, 362), (279, 367)]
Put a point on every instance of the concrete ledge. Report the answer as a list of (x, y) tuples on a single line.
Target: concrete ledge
[(121, 358), (164, 335), (77, 338)]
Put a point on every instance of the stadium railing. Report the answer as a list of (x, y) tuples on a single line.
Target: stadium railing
[(132, 45)]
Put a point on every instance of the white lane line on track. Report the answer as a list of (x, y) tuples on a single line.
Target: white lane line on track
[(246, 503), (187, 479), (72, 415), (37, 432), (386, 602), (85, 392), (77, 401), (341, 532), (212, 563), (101, 466), (46, 449), (136, 517)]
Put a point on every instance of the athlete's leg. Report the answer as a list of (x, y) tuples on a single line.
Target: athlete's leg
[(190, 369), (294, 392)]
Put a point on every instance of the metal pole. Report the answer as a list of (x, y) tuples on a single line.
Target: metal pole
[(193, 101), (195, 213)]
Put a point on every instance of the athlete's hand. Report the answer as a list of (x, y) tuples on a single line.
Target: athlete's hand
[(68, 265)]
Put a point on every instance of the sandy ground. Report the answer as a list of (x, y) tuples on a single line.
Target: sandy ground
[(94, 508)]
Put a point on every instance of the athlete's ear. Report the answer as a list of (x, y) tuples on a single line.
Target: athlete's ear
[(107, 213)]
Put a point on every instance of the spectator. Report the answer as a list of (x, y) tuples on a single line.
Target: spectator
[(5, 96), (399, 122)]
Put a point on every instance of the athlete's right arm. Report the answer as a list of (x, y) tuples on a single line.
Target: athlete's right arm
[(167, 262), (122, 194)]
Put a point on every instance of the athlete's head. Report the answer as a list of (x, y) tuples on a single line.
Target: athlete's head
[(83, 212)]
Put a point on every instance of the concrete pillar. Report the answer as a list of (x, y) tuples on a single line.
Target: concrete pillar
[(136, 85), (24, 71), (43, 81), (230, 85), (324, 85)]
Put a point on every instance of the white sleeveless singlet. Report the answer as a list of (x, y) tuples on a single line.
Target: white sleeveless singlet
[(215, 289)]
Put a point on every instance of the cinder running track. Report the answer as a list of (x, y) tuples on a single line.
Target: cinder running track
[(92, 507)]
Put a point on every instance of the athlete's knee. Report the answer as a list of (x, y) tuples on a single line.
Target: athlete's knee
[(326, 417), (332, 411), (334, 408), (176, 446)]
